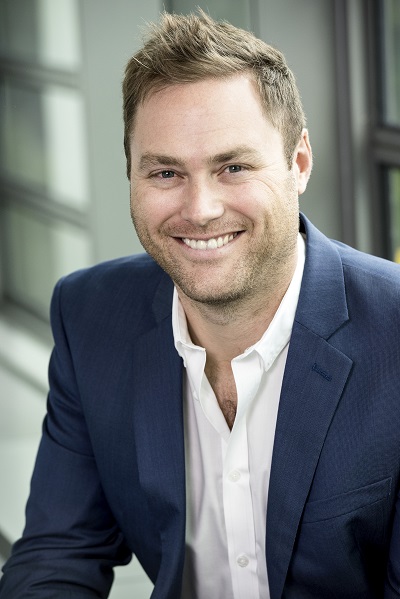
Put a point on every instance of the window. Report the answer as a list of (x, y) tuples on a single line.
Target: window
[(390, 53), (384, 46), (393, 180), (43, 160)]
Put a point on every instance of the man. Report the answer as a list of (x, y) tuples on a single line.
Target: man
[(232, 417)]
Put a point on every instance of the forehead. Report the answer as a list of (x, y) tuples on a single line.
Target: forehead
[(228, 89), (204, 116)]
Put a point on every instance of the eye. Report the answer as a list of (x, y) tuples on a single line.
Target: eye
[(234, 168), (167, 174)]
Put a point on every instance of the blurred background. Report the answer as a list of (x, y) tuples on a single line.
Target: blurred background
[(64, 197)]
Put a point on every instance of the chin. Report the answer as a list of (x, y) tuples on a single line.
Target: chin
[(215, 298)]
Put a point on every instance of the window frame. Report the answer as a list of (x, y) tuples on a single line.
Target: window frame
[(384, 137), (30, 196)]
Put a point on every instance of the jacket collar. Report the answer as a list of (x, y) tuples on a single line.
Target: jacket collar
[(322, 306)]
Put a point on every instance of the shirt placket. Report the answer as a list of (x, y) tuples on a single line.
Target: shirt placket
[(238, 507)]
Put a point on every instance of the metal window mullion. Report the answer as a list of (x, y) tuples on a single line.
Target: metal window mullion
[(42, 205), (36, 75)]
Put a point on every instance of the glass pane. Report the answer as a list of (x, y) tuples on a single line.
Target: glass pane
[(43, 141), (38, 253), (41, 31), (394, 198), (391, 44), (236, 12), (22, 130)]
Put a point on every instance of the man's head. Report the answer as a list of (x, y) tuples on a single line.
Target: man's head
[(184, 49), (216, 166)]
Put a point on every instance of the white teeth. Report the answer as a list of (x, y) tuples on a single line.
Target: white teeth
[(210, 244)]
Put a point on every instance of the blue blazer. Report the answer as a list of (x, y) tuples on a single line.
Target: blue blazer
[(110, 473)]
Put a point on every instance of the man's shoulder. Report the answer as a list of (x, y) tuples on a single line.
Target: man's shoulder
[(119, 285), (136, 270), (356, 264), (365, 266), (372, 285), (339, 280)]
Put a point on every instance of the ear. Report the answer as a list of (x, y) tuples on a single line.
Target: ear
[(302, 162)]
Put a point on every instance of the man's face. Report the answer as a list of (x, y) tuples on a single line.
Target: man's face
[(212, 198)]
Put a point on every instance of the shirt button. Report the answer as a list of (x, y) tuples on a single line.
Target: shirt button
[(243, 561), (234, 476)]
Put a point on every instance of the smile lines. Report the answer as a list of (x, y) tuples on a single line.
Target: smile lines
[(209, 244)]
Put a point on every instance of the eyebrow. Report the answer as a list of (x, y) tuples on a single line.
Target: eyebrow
[(149, 160), (242, 152)]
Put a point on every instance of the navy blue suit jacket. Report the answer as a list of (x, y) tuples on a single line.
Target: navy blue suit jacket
[(110, 473)]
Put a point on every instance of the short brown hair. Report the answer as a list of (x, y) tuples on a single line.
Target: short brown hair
[(184, 49)]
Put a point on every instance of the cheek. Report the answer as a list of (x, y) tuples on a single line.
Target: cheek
[(250, 198), (141, 215), (257, 201), (142, 203), (149, 212), (274, 206)]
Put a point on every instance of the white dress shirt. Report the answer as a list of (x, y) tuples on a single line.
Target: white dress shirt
[(227, 472)]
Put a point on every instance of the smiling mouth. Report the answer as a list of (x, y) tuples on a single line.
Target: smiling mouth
[(209, 244)]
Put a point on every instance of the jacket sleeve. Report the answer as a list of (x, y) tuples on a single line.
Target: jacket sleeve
[(71, 541)]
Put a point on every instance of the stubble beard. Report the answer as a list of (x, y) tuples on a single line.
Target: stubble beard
[(259, 273)]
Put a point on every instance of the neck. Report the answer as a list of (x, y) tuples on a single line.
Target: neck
[(225, 331)]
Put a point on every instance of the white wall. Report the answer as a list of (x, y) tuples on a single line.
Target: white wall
[(111, 35), (303, 31)]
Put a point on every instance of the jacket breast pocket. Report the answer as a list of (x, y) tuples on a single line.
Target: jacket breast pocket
[(345, 503)]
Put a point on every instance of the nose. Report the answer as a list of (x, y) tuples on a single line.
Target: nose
[(202, 203)]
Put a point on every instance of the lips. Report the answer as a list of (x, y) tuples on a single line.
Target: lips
[(209, 244)]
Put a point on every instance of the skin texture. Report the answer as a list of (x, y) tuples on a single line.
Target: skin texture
[(206, 164)]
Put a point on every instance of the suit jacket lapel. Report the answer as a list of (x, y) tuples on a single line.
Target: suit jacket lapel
[(315, 376)]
